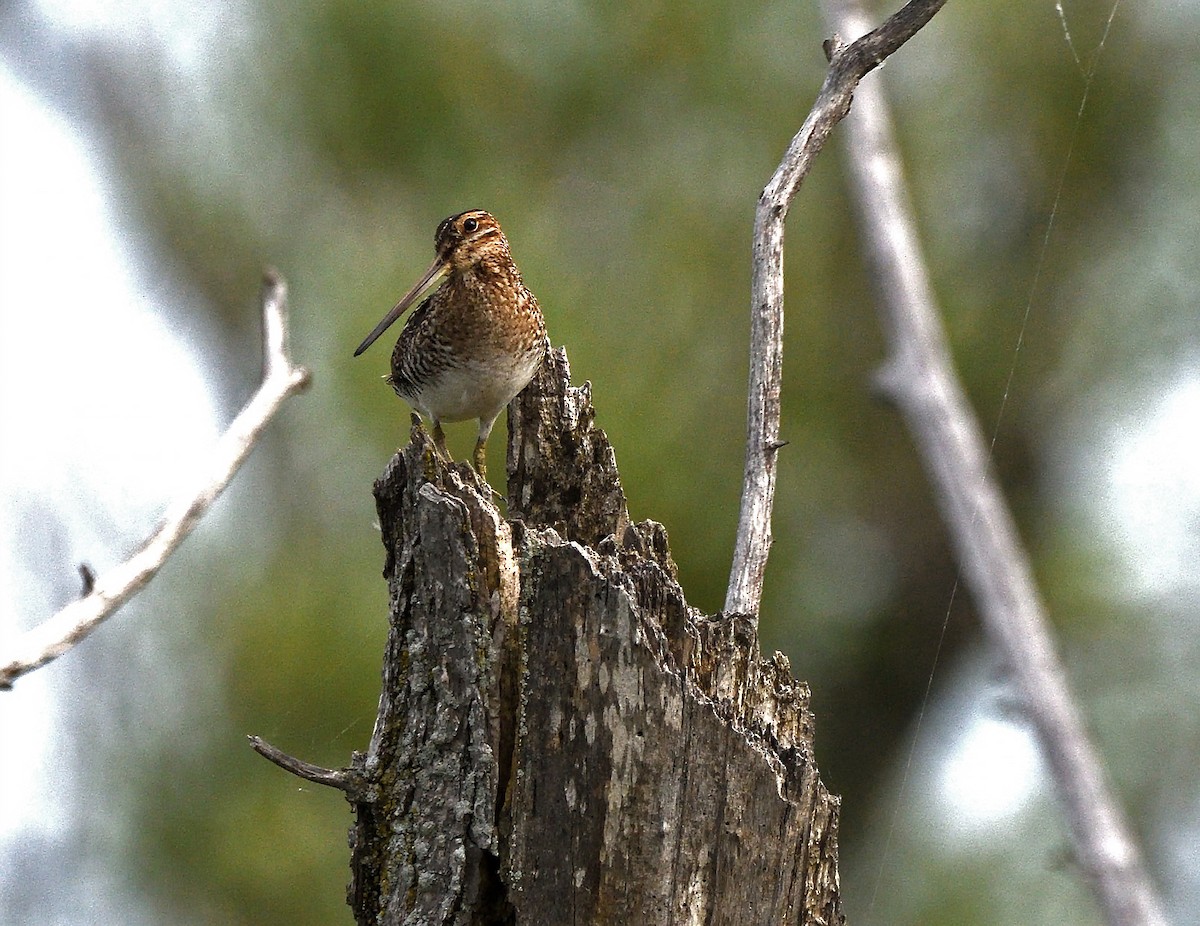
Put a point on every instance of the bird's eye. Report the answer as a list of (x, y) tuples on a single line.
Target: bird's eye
[(470, 225)]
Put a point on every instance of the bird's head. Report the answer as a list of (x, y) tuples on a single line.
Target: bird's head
[(470, 238), (462, 241)]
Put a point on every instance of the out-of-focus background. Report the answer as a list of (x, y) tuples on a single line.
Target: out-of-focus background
[(155, 155)]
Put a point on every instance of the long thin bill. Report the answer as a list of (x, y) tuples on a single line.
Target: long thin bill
[(436, 270)]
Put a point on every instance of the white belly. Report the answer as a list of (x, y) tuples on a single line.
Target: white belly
[(472, 389)]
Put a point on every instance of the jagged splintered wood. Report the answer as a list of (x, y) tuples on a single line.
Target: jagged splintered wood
[(560, 738)]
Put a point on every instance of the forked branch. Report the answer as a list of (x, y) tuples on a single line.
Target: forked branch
[(848, 64), (106, 593)]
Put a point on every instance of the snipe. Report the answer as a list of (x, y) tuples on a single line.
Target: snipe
[(472, 345)]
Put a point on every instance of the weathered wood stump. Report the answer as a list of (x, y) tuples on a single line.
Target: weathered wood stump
[(561, 738)]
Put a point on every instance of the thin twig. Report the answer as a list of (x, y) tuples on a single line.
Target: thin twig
[(847, 66), (349, 780), (919, 377), (109, 591)]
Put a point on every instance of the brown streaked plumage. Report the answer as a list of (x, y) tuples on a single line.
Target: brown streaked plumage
[(476, 341)]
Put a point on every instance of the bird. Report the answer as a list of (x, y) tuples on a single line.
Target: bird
[(476, 341)]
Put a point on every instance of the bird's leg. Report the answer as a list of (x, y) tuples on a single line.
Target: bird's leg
[(480, 458)]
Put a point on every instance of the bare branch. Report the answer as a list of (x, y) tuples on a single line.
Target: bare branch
[(919, 376), (848, 65), (109, 591), (350, 780)]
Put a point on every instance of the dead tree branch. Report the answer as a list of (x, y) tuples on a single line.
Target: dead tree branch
[(107, 592), (847, 66), (350, 779), (919, 377)]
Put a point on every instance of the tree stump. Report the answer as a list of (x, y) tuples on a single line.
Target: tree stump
[(561, 738)]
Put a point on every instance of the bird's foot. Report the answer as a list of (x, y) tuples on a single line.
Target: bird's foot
[(481, 481)]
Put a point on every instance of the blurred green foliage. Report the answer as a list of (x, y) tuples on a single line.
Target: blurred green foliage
[(623, 146)]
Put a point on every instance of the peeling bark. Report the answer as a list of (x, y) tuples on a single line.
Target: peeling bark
[(561, 738)]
